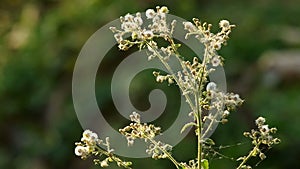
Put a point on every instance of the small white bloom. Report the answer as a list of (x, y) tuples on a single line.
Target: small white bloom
[(265, 129), (127, 26), (215, 61), (135, 117), (104, 163), (89, 137), (128, 17), (81, 151), (130, 141), (170, 81), (160, 78), (138, 20), (211, 86), (224, 24), (148, 34), (217, 45), (226, 113), (260, 121), (164, 9), (189, 26), (262, 156), (150, 13)]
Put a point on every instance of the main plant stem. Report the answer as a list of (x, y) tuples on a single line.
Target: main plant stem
[(198, 95), (199, 127)]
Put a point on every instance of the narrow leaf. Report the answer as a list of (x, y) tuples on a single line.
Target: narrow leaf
[(205, 164), (190, 124)]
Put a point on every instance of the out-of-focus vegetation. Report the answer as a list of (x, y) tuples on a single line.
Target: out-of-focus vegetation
[(40, 41)]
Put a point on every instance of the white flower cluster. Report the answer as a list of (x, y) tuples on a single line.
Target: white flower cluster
[(137, 130), (202, 32), (264, 130), (140, 34), (213, 42), (262, 138), (88, 145), (219, 102), (162, 78), (159, 150)]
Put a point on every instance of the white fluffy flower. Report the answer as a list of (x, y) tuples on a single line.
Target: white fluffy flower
[(135, 117), (128, 17), (164, 9), (211, 86), (148, 34), (260, 121), (104, 163), (189, 26), (215, 61), (138, 19), (265, 129), (160, 78), (81, 151), (224, 24), (226, 113), (217, 45), (89, 137), (130, 141), (150, 13)]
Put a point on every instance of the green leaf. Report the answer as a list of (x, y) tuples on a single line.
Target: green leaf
[(210, 142), (190, 124), (204, 164)]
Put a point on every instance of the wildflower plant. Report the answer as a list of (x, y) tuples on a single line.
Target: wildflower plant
[(201, 94)]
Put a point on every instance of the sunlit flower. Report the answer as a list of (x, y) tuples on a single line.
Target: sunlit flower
[(224, 24), (260, 121), (150, 13), (148, 34), (189, 26), (81, 151), (211, 86), (216, 61), (135, 117), (104, 163), (265, 129), (164, 9)]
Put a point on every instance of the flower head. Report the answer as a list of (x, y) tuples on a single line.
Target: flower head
[(104, 163), (216, 61), (150, 13), (89, 137), (260, 121), (211, 86), (81, 151), (224, 24)]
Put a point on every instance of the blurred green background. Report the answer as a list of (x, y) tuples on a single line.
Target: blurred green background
[(39, 44)]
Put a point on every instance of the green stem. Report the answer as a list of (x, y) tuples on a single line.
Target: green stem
[(199, 126), (198, 95), (248, 157), (167, 66), (170, 157), (112, 156)]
